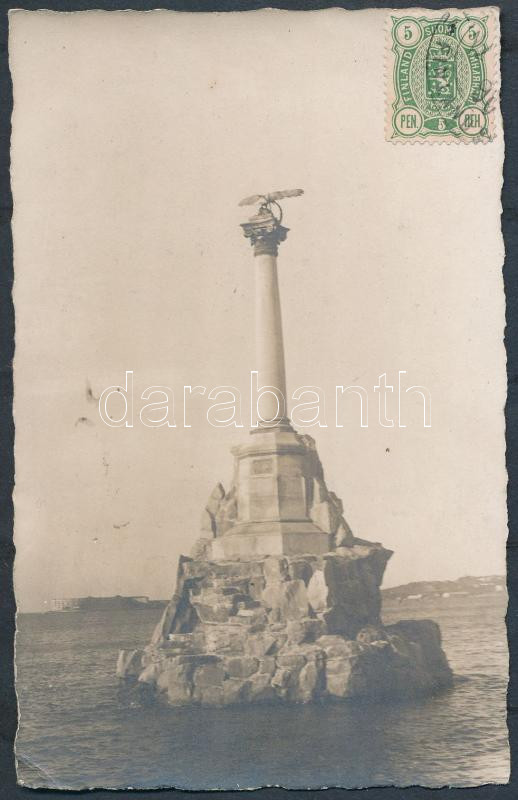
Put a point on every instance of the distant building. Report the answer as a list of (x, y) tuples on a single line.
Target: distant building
[(65, 604), (136, 602)]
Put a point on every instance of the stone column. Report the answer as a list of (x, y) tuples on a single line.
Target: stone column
[(274, 471), (265, 234)]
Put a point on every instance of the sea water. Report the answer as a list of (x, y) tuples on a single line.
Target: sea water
[(79, 729)]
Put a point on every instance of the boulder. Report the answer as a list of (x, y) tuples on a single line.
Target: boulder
[(214, 501), (338, 676), (371, 634), (267, 666), (220, 512), (175, 680), (318, 591), (241, 666), (179, 615), (311, 682), (182, 642), (425, 660), (213, 612), (206, 525), (281, 679), (254, 618), (226, 514), (210, 695), (260, 688), (335, 646), (301, 569), (202, 549), (262, 644), (286, 600), (129, 663), (209, 675), (346, 591), (304, 630), (150, 673), (325, 515), (290, 660), (275, 569), (235, 691), (256, 587), (224, 639), (344, 535)]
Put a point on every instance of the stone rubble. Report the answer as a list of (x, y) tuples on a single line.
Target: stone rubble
[(286, 629)]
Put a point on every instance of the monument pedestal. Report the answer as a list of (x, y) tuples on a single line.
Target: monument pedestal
[(270, 538), (273, 484)]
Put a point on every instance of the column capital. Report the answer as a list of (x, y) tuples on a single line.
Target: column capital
[(265, 233)]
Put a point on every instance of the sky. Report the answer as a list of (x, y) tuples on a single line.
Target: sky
[(134, 138)]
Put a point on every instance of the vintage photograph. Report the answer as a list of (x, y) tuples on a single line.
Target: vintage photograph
[(260, 490)]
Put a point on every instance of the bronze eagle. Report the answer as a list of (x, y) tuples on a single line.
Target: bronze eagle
[(273, 197)]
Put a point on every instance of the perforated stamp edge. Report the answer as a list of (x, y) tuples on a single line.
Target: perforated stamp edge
[(477, 121)]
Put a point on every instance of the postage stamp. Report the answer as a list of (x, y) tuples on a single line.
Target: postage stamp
[(443, 75)]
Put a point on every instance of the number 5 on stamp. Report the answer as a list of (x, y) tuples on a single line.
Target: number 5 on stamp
[(443, 78)]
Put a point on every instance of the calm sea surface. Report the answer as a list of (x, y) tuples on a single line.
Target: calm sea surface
[(79, 730)]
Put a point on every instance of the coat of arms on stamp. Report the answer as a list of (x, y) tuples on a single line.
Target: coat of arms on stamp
[(444, 80)]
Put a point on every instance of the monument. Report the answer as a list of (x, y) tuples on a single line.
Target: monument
[(279, 601), (274, 473)]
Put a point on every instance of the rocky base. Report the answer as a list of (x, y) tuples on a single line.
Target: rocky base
[(286, 628)]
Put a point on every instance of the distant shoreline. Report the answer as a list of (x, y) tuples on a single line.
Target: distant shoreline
[(466, 586)]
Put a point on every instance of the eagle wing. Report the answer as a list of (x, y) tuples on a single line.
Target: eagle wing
[(285, 193), (250, 201)]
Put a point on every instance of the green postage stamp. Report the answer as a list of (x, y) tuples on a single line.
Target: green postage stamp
[(443, 75)]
